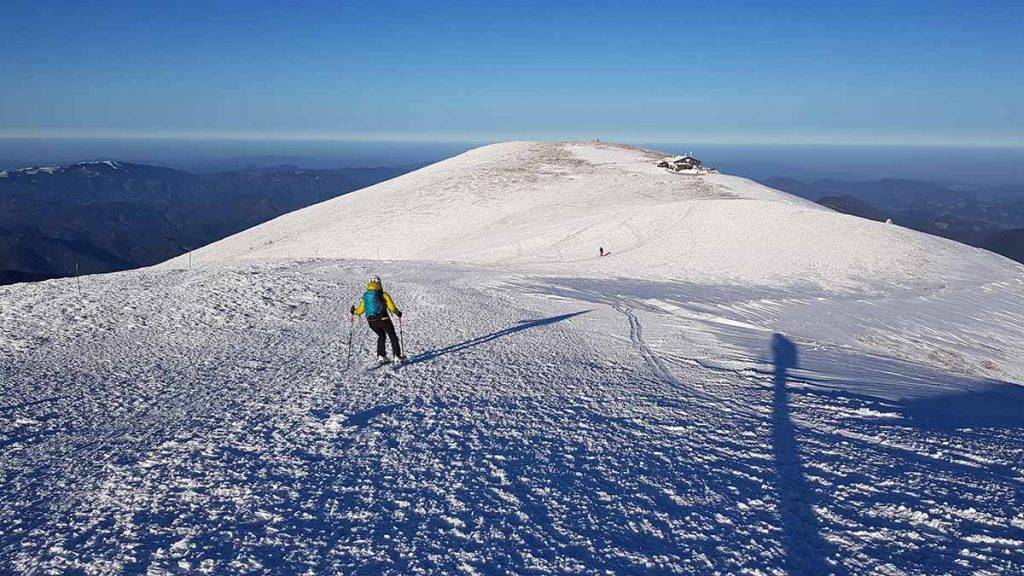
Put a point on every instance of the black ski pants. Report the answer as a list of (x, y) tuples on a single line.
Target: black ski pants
[(384, 328)]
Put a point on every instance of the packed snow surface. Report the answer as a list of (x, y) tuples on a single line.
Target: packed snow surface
[(748, 384), (551, 206)]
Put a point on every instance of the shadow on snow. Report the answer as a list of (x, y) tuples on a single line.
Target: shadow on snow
[(523, 325), (805, 548)]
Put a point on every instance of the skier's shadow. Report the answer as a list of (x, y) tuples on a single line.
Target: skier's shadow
[(806, 550), (362, 419), (523, 325)]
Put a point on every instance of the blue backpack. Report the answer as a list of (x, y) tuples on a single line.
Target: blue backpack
[(373, 303)]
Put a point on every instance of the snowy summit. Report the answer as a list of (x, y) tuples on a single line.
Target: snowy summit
[(541, 206), (613, 369)]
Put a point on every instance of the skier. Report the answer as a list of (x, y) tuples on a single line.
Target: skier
[(376, 303), (600, 251)]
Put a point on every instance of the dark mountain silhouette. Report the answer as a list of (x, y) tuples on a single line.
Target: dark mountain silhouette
[(853, 206), (1005, 192), (107, 181), (1009, 243), (978, 217), (886, 193), (94, 217), (809, 190)]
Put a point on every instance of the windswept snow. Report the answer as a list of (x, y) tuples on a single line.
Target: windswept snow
[(845, 400)]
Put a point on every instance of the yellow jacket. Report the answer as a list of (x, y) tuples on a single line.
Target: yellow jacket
[(358, 311), (373, 286)]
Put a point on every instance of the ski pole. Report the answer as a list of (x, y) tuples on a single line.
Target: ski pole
[(401, 337), (351, 327)]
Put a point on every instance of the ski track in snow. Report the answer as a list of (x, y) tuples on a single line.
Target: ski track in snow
[(215, 421)]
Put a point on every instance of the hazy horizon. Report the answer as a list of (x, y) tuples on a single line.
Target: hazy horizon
[(982, 166), (876, 90)]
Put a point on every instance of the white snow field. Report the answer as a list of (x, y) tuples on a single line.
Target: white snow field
[(748, 384)]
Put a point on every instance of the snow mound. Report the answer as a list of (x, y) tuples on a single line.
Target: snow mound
[(550, 206), (228, 420)]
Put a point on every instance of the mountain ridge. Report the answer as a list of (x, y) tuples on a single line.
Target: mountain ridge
[(571, 198)]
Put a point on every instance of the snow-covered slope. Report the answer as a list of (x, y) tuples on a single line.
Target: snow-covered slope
[(748, 384), (550, 206)]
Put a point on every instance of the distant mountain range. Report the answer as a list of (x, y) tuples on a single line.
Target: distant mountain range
[(94, 217), (1009, 243), (855, 206), (990, 218)]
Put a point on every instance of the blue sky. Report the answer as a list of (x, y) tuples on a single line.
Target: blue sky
[(947, 73)]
